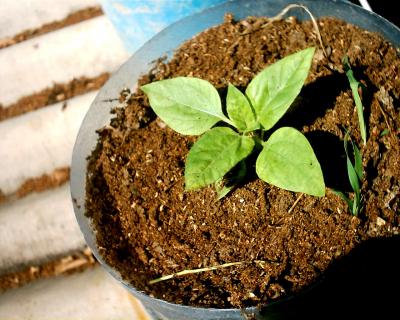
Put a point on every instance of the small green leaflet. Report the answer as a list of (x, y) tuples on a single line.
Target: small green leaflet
[(353, 178), (214, 155), (288, 162), (358, 168), (189, 106), (355, 173), (275, 88), (384, 132), (240, 111), (354, 85), (357, 161)]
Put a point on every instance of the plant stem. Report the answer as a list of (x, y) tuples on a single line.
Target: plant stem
[(193, 271)]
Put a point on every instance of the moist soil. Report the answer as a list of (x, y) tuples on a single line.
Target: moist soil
[(148, 225)]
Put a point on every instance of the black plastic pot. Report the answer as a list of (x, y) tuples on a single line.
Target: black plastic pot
[(126, 77)]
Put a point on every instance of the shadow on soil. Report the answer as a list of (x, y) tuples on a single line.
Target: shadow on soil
[(314, 100), (330, 153), (362, 285)]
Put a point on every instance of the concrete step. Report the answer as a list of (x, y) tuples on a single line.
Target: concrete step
[(41, 227), (86, 49), (38, 142), (38, 228), (92, 294), (21, 15)]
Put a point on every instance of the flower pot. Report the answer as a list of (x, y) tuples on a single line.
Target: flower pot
[(140, 63)]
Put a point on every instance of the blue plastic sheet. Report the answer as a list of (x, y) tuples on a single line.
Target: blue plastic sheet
[(137, 21)]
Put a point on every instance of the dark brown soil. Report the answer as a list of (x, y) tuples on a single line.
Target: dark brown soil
[(59, 92), (72, 18), (149, 226)]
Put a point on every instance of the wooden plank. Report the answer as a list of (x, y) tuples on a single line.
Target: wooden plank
[(86, 49), (38, 142), (37, 229), (92, 294), (21, 15)]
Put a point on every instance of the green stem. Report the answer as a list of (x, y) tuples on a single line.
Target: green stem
[(258, 141), (226, 120), (262, 135)]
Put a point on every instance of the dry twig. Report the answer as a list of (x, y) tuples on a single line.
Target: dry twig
[(296, 202), (280, 15), (193, 271)]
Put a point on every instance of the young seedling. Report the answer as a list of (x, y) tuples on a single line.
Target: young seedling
[(355, 173), (192, 106), (384, 132), (355, 85)]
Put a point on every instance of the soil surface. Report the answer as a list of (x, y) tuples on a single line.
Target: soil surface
[(148, 225)]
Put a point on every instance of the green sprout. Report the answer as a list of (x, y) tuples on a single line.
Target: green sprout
[(355, 85), (192, 106), (384, 132), (355, 174)]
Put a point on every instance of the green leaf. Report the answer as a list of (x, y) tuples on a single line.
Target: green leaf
[(355, 173), (188, 105), (353, 178), (349, 202), (275, 88), (384, 132), (222, 190), (214, 155), (355, 169), (354, 85), (356, 204), (357, 161), (225, 185), (288, 162), (240, 111)]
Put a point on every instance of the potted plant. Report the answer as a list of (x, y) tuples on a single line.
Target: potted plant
[(189, 255)]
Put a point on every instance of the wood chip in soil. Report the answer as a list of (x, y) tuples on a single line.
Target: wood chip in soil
[(148, 225)]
